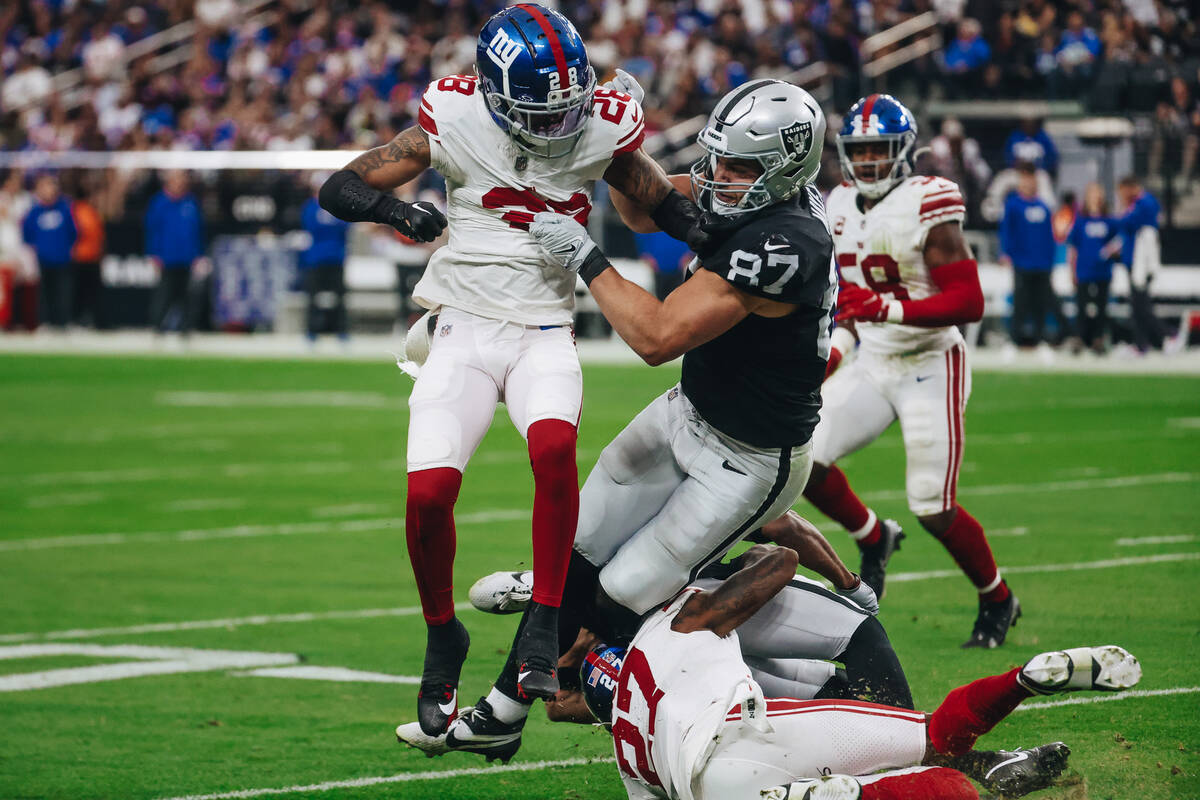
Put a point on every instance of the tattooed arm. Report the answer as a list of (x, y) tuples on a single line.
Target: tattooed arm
[(362, 191), (647, 199), (395, 163), (739, 598)]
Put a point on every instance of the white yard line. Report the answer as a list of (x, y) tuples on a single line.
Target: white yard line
[(148, 474), (535, 766), (349, 510), (309, 672), (1082, 484), (64, 499), (1020, 530), (281, 400), (404, 777), (244, 531), (1108, 698), (205, 504), (901, 577), (229, 623), (1132, 542)]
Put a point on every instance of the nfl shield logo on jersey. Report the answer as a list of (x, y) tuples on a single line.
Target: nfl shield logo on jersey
[(797, 139)]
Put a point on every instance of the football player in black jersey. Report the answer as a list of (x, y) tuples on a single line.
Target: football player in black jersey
[(727, 449)]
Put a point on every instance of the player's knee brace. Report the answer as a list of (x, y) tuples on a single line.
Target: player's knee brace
[(873, 668)]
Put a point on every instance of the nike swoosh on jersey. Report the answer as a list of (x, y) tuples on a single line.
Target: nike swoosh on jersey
[(925, 378), (776, 247), (448, 707), (1017, 757), (731, 467)]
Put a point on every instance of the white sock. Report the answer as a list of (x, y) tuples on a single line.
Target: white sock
[(862, 532), (505, 708)]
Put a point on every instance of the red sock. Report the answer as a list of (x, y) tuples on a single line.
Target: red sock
[(836, 500), (429, 528), (555, 506), (970, 711), (970, 549), (935, 783)]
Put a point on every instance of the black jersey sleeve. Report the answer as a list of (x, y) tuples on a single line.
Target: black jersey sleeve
[(788, 262)]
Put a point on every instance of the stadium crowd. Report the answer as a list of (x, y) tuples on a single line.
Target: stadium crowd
[(332, 73)]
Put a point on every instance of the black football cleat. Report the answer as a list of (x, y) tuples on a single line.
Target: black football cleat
[(1016, 773), (437, 699), (537, 654), (873, 566), (478, 731), (993, 622)]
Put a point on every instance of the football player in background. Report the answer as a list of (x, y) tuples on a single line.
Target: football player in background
[(727, 449), (907, 279), (530, 131), (689, 722)]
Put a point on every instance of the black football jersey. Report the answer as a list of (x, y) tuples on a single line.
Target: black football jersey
[(760, 381)]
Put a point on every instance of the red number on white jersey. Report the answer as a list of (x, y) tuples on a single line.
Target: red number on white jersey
[(637, 669), (612, 104), (881, 273), (463, 84), (524, 203)]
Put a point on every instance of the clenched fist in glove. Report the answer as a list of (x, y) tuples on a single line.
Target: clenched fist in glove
[(568, 244), (857, 303), (347, 196)]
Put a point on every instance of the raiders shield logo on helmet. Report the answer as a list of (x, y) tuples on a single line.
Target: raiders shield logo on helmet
[(797, 139)]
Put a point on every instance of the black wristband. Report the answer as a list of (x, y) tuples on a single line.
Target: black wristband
[(593, 265), (676, 215), (348, 197)]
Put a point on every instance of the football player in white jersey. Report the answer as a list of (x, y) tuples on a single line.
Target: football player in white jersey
[(529, 132), (690, 722), (907, 279)]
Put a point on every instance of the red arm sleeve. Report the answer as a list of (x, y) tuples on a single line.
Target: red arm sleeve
[(960, 299)]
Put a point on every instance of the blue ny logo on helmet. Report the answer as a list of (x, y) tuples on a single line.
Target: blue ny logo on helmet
[(536, 78), (875, 119), (598, 678)]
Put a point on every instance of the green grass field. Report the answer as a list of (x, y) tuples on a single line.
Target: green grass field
[(143, 492)]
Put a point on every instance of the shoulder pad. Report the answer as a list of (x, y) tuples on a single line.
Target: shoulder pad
[(622, 116), (443, 100), (937, 199), (777, 264)]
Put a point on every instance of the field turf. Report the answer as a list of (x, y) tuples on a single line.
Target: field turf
[(156, 491)]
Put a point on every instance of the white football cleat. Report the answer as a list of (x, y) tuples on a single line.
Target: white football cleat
[(828, 787), (502, 592), (410, 733), (1107, 668)]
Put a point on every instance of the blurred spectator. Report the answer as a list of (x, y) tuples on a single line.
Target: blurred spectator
[(174, 241), (1141, 255), (956, 156), (1092, 229), (322, 267), (1078, 50), (103, 55), (1176, 133), (1004, 184), (50, 230), (28, 85), (1031, 143), (1027, 244), (964, 59), (18, 272), (668, 257), (87, 305)]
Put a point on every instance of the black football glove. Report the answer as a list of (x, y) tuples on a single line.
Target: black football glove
[(421, 222)]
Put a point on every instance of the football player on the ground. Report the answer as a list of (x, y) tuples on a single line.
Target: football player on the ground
[(689, 721), (907, 279), (530, 131), (728, 448)]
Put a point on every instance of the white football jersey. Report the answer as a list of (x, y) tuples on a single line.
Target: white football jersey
[(674, 694), (492, 266), (883, 250)]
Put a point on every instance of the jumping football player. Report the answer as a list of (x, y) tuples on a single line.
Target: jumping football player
[(530, 131), (728, 448), (907, 279), (689, 721)]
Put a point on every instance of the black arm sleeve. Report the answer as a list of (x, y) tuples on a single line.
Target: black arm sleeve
[(676, 215), (349, 198)]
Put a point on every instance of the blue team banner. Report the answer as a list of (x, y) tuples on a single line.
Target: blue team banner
[(250, 276)]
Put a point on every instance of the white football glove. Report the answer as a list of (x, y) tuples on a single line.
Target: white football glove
[(564, 240), (624, 82), (863, 595)]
